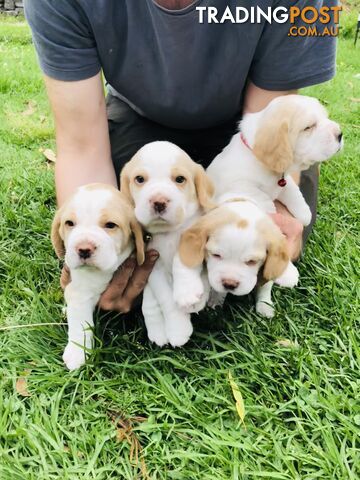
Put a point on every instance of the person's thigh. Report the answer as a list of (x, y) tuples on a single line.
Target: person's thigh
[(309, 184), (129, 131)]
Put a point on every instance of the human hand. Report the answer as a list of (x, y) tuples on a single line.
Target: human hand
[(291, 228), (126, 285)]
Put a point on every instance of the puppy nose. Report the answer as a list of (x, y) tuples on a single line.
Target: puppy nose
[(159, 203), (230, 284), (85, 250), (339, 137), (159, 207)]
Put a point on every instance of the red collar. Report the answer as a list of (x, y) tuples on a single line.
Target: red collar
[(281, 182), (245, 142)]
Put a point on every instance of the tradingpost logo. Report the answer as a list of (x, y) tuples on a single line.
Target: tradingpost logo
[(304, 22)]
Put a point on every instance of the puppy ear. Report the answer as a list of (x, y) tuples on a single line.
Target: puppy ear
[(204, 188), (125, 184), (272, 145), (139, 241), (56, 238), (192, 246), (277, 253)]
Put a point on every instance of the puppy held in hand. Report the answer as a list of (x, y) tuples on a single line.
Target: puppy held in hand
[(169, 191), (290, 135), (242, 248), (93, 231)]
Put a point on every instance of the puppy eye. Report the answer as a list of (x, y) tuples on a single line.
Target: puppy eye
[(310, 127), (110, 225), (69, 223), (216, 255), (180, 179), (139, 179), (251, 263)]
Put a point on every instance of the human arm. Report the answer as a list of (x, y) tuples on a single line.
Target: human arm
[(82, 138)]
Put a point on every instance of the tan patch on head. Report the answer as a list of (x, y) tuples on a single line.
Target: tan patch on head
[(276, 135), (193, 241), (242, 223), (277, 257), (119, 211)]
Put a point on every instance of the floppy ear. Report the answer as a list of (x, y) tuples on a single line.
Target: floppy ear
[(125, 184), (277, 253), (192, 246), (139, 241), (272, 145), (56, 239), (204, 188)]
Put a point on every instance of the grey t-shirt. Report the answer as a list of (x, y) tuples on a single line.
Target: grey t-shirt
[(168, 66)]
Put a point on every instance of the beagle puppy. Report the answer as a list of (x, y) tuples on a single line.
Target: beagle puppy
[(288, 136), (242, 248), (169, 192), (93, 231)]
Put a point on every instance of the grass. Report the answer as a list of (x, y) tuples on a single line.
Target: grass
[(136, 411)]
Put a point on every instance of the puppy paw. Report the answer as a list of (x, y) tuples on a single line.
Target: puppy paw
[(289, 278), (74, 356), (158, 336), (305, 216), (265, 309), (180, 333), (190, 298)]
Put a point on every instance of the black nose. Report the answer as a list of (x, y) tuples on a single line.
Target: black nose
[(230, 286), (84, 253), (340, 136), (159, 207)]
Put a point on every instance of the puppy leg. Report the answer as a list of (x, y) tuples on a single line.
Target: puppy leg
[(264, 304), (293, 199), (289, 277), (189, 291), (216, 299), (154, 319), (178, 324), (80, 323)]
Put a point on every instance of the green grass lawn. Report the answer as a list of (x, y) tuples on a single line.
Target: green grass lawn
[(136, 411)]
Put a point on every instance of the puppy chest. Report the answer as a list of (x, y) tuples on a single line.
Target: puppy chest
[(166, 245)]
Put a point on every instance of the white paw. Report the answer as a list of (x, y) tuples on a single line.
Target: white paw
[(179, 332), (190, 298), (74, 356), (289, 278), (158, 336), (305, 216), (265, 309)]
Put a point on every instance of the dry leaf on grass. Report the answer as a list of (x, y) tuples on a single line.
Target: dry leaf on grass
[(355, 100), (21, 387), (30, 109), (286, 343), (48, 154), (240, 405), (124, 431)]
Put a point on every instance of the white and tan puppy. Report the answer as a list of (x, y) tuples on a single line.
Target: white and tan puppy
[(94, 231), (169, 191), (292, 133), (238, 242)]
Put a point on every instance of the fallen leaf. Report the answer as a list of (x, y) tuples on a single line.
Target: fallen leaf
[(31, 106), (355, 100), (240, 406), (48, 154), (284, 342), (21, 387)]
